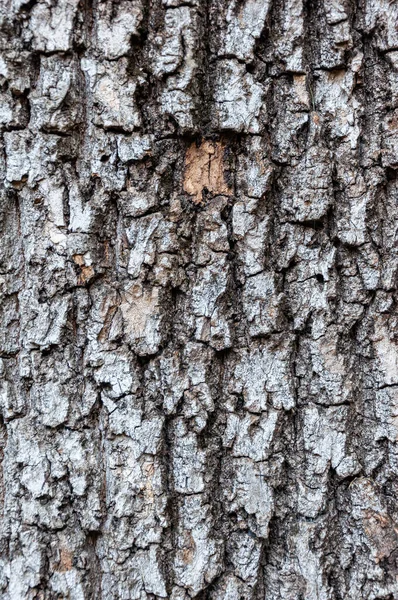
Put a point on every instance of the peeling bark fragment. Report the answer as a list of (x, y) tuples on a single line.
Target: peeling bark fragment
[(289, 45), (116, 24), (262, 376), (113, 92), (250, 491), (261, 304), (56, 106), (142, 319), (198, 556), (308, 194), (51, 25), (177, 62), (238, 99), (244, 24)]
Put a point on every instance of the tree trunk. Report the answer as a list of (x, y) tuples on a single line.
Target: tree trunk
[(199, 259)]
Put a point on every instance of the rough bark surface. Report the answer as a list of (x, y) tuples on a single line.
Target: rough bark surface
[(199, 359)]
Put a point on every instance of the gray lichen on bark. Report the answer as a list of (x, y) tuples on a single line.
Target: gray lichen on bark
[(199, 360)]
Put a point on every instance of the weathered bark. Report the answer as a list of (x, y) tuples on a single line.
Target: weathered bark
[(198, 276)]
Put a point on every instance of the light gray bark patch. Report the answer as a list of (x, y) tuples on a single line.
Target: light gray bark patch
[(198, 292)]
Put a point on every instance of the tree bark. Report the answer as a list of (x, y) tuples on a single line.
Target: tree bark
[(198, 280)]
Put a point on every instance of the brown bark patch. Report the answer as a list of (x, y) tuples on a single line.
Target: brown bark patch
[(204, 170), (382, 534), (104, 333), (149, 470), (392, 122), (188, 552), (316, 119), (86, 271), (65, 561)]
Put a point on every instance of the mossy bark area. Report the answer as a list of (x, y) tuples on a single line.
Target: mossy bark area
[(198, 279)]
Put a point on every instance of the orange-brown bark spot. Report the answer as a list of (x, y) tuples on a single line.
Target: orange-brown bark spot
[(392, 122), (65, 560), (382, 533), (188, 552), (86, 271), (106, 253), (104, 333), (204, 170)]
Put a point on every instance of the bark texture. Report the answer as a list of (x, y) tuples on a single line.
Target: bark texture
[(199, 359)]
